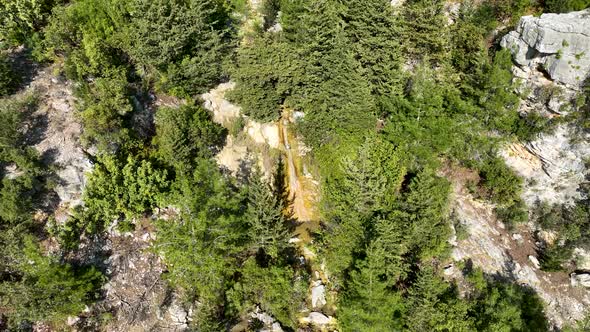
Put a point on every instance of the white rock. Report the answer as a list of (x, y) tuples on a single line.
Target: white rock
[(553, 165), (535, 262), (276, 327), (397, 3), (449, 270), (72, 320), (558, 42), (582, 258), (223, 111), (317, 319), (318, 296), (582, 279)]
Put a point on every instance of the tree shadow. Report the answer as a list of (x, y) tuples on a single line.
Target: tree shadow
[(36, 132), (22, 63)]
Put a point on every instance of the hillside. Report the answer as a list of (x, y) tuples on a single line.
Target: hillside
[(294, 165)]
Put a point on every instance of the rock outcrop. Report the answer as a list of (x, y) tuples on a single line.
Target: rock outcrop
[(552, 62), (58, 136), (554, 166), (512, 256), (318, 295), (252, 139), (558, 43)]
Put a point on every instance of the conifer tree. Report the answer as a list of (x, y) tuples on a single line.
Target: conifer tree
[(425, 31), (267, 226), (326, 80), (375, 36)]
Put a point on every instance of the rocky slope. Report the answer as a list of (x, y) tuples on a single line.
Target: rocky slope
[(511, 255), (552, 61)]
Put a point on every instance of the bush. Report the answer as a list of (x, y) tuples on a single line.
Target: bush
[(272, 288), (502, 185), (123, 189), (186, 133), (104, 106), (47, 290), (20, 19), (564, 6), (7, 76)]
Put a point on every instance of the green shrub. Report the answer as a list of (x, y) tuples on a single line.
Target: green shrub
[(46, 289), (20, 19), (7, 76), (564, 6), (186, 133), (502, 185), (104, 105), (118, 189), (274, 289)]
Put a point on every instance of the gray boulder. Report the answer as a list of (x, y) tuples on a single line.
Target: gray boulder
[(318, 295), (580, 279), (559, 43)]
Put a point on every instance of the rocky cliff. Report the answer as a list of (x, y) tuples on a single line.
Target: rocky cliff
[(552, 61), (555, 43)]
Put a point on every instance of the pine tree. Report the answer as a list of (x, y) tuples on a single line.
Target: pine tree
[(366, 189), (424, 211), (325, 79), (369, 305), (267, 226), (258, 77), (189, 46), (425, 31), (41, 288), (375, 37)]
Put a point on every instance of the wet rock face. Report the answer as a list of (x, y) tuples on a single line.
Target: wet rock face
[(559, 43)]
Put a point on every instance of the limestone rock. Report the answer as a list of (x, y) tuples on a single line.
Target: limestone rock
[(318, 295), (560, 43), (582, 259), (59, 131), (223, 111), (178, 315), (580, 279), (270, 324), (553, 165), (397, 3), (535, 262), (492, 249), (264, 133), (317, 319)]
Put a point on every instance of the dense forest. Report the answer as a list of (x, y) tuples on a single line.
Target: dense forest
[(389, 96)]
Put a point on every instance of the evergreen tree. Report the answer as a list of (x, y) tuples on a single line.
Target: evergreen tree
[(267, 226), (7, 76), (186, 133), (369, 305), (425, 32), (367, 187), (424, 211), (375, 37), (20, 19), (189, 47), (44, 289), (325, 79), (259, 75), (435, 306)]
